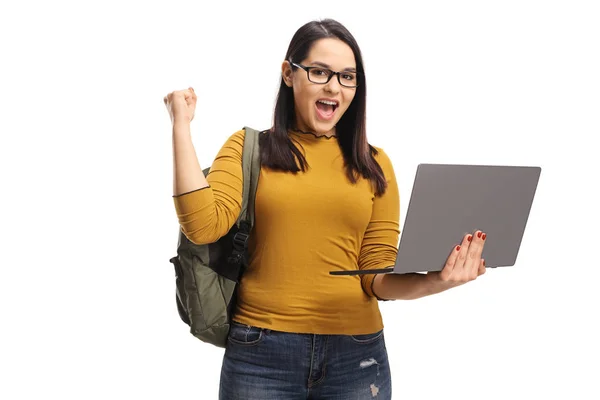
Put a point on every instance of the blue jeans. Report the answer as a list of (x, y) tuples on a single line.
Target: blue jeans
[(262, 364)]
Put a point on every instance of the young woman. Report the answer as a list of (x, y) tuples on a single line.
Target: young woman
[(326, 200)]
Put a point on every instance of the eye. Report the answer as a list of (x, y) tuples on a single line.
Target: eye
[(319, 72), (349, 77)]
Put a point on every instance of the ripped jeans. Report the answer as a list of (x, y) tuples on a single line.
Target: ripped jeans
[(262, 364)]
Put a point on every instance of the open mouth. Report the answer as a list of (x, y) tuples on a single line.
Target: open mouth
[(326, 108)]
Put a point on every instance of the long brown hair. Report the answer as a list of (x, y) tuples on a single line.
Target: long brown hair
[(277, 150)]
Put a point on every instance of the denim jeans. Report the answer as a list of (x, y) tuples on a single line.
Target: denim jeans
[(262, 364)]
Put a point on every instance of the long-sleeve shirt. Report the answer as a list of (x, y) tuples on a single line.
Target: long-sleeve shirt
[(306, 224)]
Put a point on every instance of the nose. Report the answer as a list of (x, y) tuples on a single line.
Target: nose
[(333, 86)]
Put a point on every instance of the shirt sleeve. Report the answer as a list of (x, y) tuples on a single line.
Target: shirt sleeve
[(205, 215), (380, 242)]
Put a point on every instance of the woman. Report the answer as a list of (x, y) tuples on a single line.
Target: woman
[(326, 200)]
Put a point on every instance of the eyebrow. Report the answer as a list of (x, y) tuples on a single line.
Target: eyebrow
[(320, 64)]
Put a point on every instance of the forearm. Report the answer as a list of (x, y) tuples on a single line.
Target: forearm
[(187, 174), (407, 286)]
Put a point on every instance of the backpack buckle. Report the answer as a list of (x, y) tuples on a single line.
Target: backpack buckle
[(240, 241), (240, 245), (236, 258)]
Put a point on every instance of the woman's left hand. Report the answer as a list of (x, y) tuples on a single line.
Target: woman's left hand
[(464, 264)]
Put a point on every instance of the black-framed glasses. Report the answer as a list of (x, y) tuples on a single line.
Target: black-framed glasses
[(322, 75)]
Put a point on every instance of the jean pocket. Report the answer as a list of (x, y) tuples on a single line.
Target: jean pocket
[(367, 338), (244, 334)]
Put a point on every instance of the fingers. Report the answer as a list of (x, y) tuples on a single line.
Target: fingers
[(464, 262), (473, 258), (481, 269), (461, 259), (450, 266), (187, 94), (465, 246)]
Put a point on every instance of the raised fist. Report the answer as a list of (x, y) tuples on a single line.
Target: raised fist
[(181, 105)]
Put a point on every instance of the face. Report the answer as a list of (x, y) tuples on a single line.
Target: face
[(312, 101)]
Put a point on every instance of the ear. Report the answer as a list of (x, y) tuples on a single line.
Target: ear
[(286, 73)]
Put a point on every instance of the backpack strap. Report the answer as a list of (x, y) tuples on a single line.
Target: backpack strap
[(250, 173)]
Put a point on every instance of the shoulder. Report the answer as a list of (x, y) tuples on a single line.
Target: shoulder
[(384, 161), (238, 137), (382, 158), (234, 144)]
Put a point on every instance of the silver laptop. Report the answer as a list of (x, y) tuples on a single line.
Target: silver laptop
[(449, 201)]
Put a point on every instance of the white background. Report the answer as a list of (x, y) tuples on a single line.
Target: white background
[(88, 223)]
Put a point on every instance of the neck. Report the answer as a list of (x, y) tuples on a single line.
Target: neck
[(328, 134)]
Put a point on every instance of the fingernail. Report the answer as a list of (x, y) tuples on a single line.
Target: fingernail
[(479, 234), (484, 263), (457, 248), (470, 238), (483, 236)]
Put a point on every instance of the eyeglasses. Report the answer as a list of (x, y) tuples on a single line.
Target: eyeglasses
[(323, 75)]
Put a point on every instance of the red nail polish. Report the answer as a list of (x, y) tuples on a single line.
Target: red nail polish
[(457, 248), (478, 234), (483, 236), (470, 238), (484, 263)]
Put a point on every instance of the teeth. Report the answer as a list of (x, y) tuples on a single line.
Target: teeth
[(331, 103)]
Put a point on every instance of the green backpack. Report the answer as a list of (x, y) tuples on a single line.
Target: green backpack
[(207, 275)]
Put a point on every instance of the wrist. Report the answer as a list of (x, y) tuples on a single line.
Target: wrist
[(181, 122), (436, 284), (181, 127)]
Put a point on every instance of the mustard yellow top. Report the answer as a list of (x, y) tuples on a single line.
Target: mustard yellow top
[(306, 224)]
